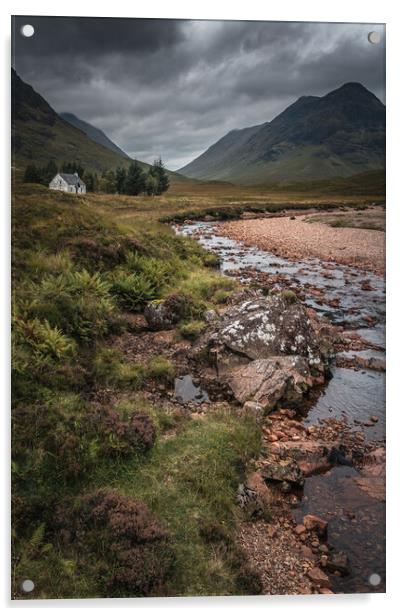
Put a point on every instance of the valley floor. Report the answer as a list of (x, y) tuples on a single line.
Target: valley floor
[(99, 427)]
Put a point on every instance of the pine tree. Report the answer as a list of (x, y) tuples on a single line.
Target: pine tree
[(33, 175), (120, 180), (73, 167), (49, 172), (135, 180), (158, 171), (151, 184), (89, 179), (107, 183)]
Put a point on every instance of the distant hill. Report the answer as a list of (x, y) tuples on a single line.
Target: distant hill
[(39, 134), (337, 135), (92, 132)]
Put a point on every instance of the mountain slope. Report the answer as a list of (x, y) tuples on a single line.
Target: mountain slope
[(337, 135), (39, 134), (92, 132)]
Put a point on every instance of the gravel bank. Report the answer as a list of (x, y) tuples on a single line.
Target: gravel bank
[(296, 239)]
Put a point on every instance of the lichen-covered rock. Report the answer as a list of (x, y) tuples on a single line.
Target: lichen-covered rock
[(165, 314), (268, 326), (264, 349)]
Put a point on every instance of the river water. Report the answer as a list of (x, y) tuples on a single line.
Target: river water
[(354, 299)]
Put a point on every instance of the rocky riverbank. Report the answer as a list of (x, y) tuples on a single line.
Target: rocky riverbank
[(295, 238), (324, 459)]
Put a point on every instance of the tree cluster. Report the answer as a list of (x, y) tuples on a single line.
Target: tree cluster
[(44, 175), (135, 181), (131, 181)]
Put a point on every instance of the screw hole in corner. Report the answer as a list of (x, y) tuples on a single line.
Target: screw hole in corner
[(27, 30), (27, 586), (374, 37), (374, 579)]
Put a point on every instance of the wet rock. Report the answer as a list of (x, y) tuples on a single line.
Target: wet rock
[(338, 561), (313, 522), (165, 314), (300, 529), (372, 478), (256, 482), (318, 577), (282, 470), (337, 456)]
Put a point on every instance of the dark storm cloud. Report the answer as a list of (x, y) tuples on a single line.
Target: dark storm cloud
[(91, 36), (174, 87)]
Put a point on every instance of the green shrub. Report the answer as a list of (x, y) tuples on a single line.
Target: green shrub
[(221, 296), (192, 330), (37, 345), (290, 297), (52, 446), (201, 285), (132, 291), (109, 368), (76, 302), (160, 369)]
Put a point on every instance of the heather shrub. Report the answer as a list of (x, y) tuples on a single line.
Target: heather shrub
[(52, 446), (123, 432), (129, 546)]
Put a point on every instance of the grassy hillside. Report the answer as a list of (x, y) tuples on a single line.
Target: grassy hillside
[(92, 132), (113, 494)]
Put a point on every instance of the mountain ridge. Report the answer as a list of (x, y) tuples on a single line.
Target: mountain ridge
[(93, 132), (40, 134), (336, 135)]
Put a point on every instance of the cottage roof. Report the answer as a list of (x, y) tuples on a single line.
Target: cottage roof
[(71, 178)]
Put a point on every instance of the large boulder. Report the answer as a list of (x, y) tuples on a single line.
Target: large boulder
[(269, 380), (265, 349), (165, 314), (266, 327)]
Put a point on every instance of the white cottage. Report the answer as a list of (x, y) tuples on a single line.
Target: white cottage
[(68, 182)]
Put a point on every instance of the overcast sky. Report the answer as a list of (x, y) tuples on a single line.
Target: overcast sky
[(174, 87)]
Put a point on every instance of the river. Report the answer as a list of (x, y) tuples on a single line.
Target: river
[(354, 299)]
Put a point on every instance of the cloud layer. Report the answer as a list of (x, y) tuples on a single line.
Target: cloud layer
[(173, 87)]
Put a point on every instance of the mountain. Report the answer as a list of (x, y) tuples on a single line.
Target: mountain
[(336, 135), (39, 134), (92, 132)]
